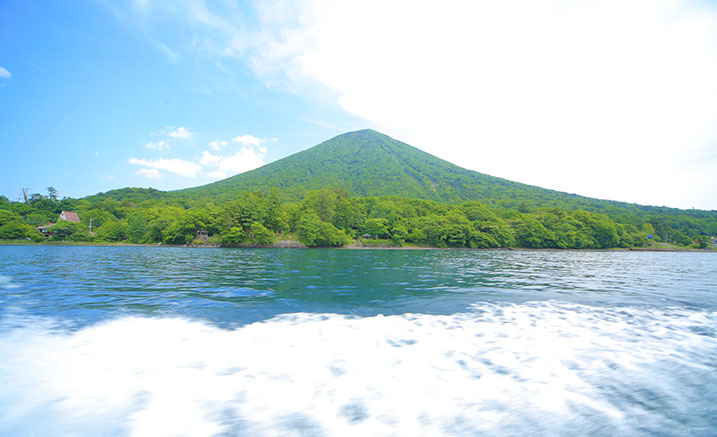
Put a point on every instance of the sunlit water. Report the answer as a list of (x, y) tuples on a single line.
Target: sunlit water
[(161, 341)]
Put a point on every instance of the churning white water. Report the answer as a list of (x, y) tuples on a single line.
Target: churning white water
[(514, 369)]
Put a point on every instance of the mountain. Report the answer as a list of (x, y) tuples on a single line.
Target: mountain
[(368, 163), (365, 163)]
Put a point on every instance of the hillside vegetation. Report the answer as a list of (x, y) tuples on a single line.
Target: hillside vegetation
[(367, 163), (329, 217), (362, 183)]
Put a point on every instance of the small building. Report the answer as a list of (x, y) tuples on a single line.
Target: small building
[(203, 235), (44, 229), (69, 216)]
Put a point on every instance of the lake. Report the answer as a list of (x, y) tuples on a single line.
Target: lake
[(177, 341)]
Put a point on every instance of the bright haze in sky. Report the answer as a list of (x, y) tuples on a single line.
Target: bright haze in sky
[(608, 99)]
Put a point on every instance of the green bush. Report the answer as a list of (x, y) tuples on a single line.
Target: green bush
[(315, 233), (261, 235)]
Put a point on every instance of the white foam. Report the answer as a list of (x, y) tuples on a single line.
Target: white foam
[(6, 282), (540, 369)]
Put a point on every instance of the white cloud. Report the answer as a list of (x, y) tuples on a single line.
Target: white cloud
[(248, 140), (174, 165), (209, 159), (151, 173), (217, 174), (159, 145), (4, 74), (244, 160), (609, 98), (217, 145), (208, 164), (601, 98), (180, 133), (249, 157)]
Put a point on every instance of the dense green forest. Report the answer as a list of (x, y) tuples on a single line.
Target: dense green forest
[(362, 185), (330, 218)]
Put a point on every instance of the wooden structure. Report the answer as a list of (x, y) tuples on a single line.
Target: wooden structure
[(203, 235), (44, 230)]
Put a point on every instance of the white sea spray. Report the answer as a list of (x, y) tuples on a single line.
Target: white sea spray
[(551, 368)]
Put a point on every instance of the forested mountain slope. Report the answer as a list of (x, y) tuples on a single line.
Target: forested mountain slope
[(367, 163), (356, 184)]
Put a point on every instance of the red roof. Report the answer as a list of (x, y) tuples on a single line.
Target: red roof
[(70, 216)]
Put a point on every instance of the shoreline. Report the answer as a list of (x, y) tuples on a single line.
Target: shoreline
[(280, 245)]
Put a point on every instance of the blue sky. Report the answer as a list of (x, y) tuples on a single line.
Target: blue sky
[(607, 99), (88, 92)]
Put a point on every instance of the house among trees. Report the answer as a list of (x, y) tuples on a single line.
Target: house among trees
[(69, 216), (45, 230)]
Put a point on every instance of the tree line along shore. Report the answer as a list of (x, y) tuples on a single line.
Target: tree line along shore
[(331, 218)]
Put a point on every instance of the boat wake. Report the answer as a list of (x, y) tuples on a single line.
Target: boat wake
[(534, 368)]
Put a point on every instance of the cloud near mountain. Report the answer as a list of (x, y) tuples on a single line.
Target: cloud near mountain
[(214, 166)]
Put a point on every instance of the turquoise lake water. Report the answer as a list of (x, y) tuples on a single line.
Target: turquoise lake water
[(174, 341)]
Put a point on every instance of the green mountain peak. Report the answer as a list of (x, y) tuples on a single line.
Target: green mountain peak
[(367, 163)]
